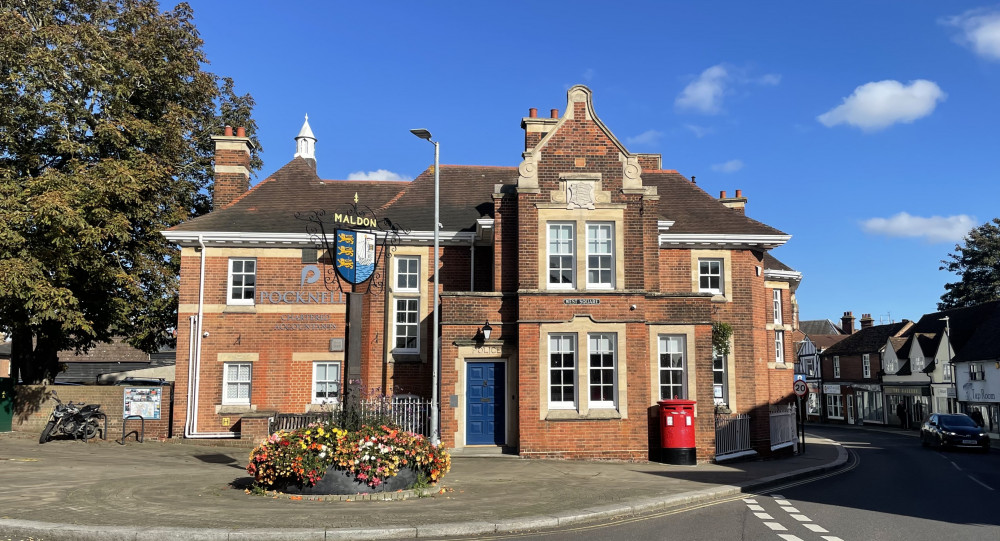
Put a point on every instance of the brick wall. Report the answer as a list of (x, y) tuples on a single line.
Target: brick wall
[(34, 403)]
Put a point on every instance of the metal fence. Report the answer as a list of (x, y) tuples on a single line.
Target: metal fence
[(407, 412), (732, 436), (783, 433)]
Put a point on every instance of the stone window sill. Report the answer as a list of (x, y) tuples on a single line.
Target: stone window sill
[(235, 408), (574, 415)]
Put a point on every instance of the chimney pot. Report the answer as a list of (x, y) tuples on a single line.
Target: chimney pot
[(722, 194), (739, 193), (228, 131), (533, 112), (555, 113), (241, 132)]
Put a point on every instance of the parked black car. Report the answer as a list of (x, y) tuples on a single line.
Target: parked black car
[(953, 430)]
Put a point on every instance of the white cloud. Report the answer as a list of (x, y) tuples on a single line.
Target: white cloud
[(877, 105), (731, 166), (588, 75), (648, 137), (381, 174), (704, 94), (980, 30), (933, 229), (699, 131)]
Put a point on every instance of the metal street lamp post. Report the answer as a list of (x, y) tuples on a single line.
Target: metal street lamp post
[(435, 397), (953, 403)]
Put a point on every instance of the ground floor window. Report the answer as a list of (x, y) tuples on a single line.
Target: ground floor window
[(834, 406), (602, 370), (672, 367), (406, 326), (719, 387), (562, 370), (326, 382), (812, 404), (236, 383), (870, 406)]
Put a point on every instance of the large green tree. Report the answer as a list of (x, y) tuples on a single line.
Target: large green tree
[(106, 113), (977, 263)]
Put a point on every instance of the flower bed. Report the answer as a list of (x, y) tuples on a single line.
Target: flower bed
[(370, 456)]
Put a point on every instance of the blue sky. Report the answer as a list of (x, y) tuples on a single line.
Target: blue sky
[(866, 130)]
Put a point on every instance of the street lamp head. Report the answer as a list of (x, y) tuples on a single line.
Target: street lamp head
[(421, 133)]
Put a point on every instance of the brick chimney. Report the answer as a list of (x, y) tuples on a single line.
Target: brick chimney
[(847, 323), (866, 321), (737, 203), (535, 128), (232, 166)]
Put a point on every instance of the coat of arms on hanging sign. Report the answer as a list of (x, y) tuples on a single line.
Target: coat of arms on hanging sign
[(355, 260)]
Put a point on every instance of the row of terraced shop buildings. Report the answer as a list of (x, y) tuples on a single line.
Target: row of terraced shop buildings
[(597, 273)]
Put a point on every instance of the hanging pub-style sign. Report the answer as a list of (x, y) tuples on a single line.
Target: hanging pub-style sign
[(355, 260)]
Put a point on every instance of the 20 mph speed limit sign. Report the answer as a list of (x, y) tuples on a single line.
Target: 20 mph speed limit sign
[(800, 388)]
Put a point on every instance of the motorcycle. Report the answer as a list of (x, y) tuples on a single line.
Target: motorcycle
[(77, 420)]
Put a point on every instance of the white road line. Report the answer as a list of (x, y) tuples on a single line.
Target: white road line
[(782, 502), (764, 516), (777, 527), (789, 537), (777, 496), (984, 485), (755, 508), (816, 528), (956, 466), (749, 500), (789, 509), (832, 538), (801, 518)]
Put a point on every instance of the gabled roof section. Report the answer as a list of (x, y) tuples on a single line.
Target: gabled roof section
[(980, 322), (819, 326), (693, 211), (271, 205), (984, 342), (868, 340), (899, 345), (825, 341)]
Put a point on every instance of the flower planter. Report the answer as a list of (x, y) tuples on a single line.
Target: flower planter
[(342, 482)]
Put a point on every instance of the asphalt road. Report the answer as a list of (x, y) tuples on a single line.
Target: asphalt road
[(891, 489)]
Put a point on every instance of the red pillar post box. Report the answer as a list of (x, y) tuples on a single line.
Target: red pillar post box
[(677, 432)]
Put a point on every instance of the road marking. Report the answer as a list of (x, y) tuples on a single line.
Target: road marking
[(956, 466), (789, 509), (749, 500), (782, 502), (789, 537), (801, 518), (777, 526), (832, 538), (755, 508), (764, 516), (777, 496), (816, 528), (984, 485)]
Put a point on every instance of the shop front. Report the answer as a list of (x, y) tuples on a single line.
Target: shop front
[(916, 401)]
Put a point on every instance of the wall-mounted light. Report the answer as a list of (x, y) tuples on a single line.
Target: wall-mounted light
[(487, 330)]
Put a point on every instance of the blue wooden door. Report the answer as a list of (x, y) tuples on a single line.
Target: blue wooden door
[(484, 415)]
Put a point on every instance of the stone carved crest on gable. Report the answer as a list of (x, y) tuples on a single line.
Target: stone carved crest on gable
[(580, 195)]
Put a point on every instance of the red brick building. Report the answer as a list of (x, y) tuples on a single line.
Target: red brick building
[(598, 271)]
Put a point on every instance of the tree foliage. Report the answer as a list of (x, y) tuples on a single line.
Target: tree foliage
[(106, 115), (977, 263)]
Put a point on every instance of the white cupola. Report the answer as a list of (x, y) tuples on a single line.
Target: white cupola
[(305, 142)]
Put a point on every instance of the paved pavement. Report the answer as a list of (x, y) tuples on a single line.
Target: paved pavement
[(103, 490)]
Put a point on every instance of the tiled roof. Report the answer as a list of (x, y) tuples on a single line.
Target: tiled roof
[(825, 341), (898, 345), (819, 326), (974, 330), (695, 211), (772, 263), (466, 194), (868, 340)]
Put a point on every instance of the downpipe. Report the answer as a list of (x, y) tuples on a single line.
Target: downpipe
[(194, 362)]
